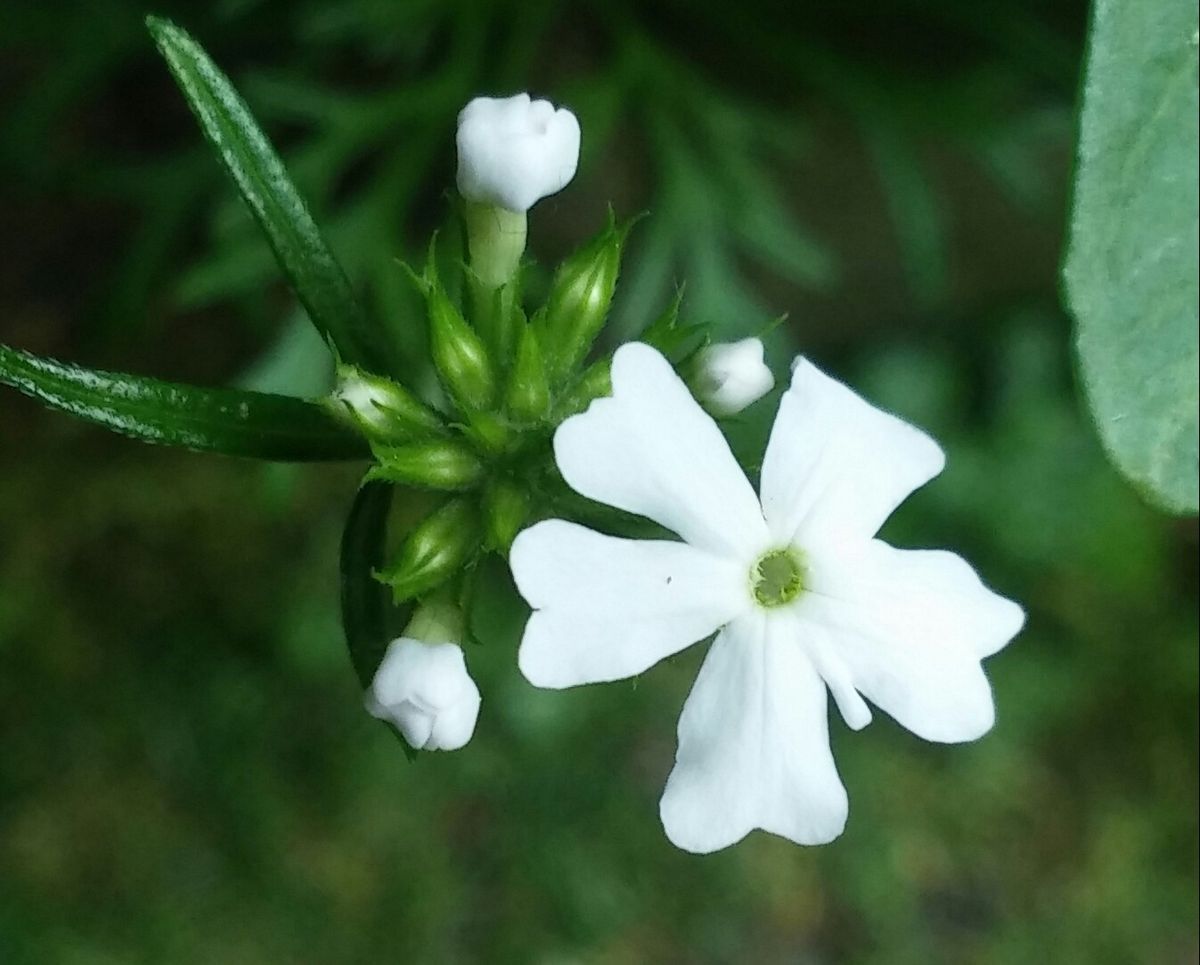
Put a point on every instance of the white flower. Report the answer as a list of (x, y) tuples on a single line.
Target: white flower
[(513, 151), (425, 690), (732, 375), (804, 598)]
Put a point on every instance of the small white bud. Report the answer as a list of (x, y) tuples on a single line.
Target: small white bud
[(513, 151), (731, 376), (425, 691)]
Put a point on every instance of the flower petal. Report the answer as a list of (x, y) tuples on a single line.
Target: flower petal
[(651, 450), (909, 628), (835, 465), (754, 745), (609, 608)]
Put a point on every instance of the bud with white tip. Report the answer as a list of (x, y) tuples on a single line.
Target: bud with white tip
[(729, 376), (422, 685), (383, 410), (514, 151)]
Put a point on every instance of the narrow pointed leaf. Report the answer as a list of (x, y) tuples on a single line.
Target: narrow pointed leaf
[(367, 607), (281, 213), (229, 421)]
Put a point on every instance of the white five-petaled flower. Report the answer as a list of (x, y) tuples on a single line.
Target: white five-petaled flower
[(425, 691), (731, 376), (513, 151), (805, 599)]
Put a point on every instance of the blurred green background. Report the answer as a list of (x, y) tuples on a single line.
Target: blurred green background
[(186, 773)]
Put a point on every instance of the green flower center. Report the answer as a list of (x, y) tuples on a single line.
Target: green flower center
[(777, 578)]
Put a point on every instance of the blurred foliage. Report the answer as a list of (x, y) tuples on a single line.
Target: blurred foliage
[(187, 774)]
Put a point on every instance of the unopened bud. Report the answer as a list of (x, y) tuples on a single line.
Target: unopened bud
[(435, 550), (528, 395), (459, 354), (435, 464), (579, 299), (730, 376), (505, 513), (513, 151), (382, 410), (422, 686)]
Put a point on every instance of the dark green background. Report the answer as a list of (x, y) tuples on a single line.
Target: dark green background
[(186, 773)]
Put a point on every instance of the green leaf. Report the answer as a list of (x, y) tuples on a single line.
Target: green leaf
[(281, 213), (367, 609), (228, 421), (1131, 277)]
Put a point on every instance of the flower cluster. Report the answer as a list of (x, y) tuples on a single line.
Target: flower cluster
[(531, 433), (801, 599)]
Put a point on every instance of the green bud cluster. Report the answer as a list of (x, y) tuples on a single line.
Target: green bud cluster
[(507, 379)]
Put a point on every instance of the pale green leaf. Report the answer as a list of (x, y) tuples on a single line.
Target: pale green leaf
[(1131, 269)]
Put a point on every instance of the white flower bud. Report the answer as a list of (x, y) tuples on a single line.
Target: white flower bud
[(731, 376), (513, 151), (380, 408), (425, 691)]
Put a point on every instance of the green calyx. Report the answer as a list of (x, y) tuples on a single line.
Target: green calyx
[(527, 396), (436, 549), (444, 464), (777, 578), (506, 509), (579, 300)]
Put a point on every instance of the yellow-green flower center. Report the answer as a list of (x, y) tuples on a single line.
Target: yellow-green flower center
[(777, 578)]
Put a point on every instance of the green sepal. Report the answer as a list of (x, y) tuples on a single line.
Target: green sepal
[(229, 421), (506, 510), (527, 398), (580, 297), (437, 548), (444, 464), (490, 432), (680, 343), (317, 277), (463, 363), (382, 410), (595, 383)]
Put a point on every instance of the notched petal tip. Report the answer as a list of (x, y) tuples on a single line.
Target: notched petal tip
[(607, 608), (836, 466), (537, 660)]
